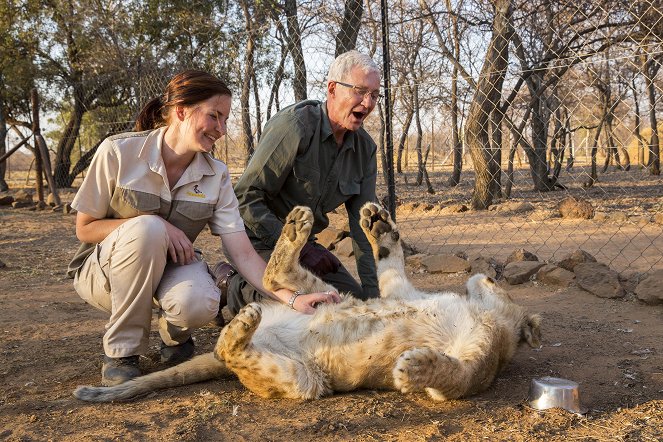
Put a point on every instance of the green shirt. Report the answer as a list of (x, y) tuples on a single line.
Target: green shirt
[(297, 162)]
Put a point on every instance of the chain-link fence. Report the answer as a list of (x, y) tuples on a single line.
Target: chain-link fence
[(498, 110)]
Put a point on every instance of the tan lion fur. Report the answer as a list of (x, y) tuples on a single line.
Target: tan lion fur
[(447, 344)]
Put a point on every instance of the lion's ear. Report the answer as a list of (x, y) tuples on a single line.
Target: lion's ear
[(531, 330)]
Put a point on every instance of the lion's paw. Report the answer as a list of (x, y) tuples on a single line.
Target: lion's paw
[(237, 335), (414, 369), (379, 229), (298, 224)]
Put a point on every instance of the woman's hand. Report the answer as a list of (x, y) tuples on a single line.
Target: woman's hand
[(180, 248), (306, 303)]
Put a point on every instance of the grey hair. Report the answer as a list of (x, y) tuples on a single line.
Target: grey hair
[(344, 63)]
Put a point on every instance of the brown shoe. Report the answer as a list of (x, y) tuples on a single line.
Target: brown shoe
[(222, 272)]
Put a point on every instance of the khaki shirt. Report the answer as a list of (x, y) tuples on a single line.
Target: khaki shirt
[(127, 178), (297, 162)]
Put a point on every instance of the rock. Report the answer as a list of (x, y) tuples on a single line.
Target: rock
[(573, 208), (550, 274), (575, 258), (330, 236), (640, 221), (513, 207), (518, 272), (445, 264), (461, 254), (408, 249), (658, 218), (521, 255), (415, 260), (479, 264), (598, 279), (22, 204), (50, 200), (454, 208), (543, 215), (23, 196), (601, 216), (649, 290), (6, 200), (630, 280), (344, 247), (618, 217)]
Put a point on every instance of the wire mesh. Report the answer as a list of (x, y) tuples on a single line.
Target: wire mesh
[(500, 109)]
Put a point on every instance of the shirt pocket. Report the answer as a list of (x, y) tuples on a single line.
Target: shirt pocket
[(349, 188), (343, 192), (305, 188), (129, 203), (191, 217)]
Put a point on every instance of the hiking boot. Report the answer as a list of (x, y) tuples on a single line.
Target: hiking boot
[(116, 371), (174, 354), (222, 272)]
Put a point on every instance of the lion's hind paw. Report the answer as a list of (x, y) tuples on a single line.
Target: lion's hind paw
[(240, 330), (375, 221)]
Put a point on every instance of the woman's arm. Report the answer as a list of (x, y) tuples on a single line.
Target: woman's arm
[(94, 230), (252, 267)]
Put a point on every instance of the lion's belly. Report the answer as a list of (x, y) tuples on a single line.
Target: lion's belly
[(361, 349)]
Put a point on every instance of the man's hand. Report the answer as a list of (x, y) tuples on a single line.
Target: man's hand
[(318, 260), (180, 248)]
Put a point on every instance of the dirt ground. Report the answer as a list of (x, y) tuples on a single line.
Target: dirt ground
[(51, 342)]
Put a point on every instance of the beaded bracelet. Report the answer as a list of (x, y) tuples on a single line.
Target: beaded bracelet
[(291, 303)]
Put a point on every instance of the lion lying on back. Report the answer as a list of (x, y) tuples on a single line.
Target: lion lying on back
[(446, 344)]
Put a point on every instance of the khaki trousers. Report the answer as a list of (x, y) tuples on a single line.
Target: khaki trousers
[(128, 274)]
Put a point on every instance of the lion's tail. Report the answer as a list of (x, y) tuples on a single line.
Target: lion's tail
[(200, 368)]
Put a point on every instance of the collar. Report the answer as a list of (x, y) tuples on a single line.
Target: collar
[(150, 151), (326, 131)]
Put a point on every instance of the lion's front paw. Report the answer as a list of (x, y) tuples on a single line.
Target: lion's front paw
[(298, 224), (414, 369)]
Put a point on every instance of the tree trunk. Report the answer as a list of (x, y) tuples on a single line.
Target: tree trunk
[(486, 101), (509, 171), (456, 143), (638, 126), (246, 84), (68, 140), (346, 38), (3, 136), (382, 144), (539, 127), (495, 163), (401, 141), (256, 99), (294, 33), (420, 134), (278, 78), (572, 151), (593, 175), (654, 162)]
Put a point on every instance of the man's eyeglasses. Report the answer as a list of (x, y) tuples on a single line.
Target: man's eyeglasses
[(362, 91)]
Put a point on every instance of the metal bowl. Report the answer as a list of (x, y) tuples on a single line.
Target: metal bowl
[(548, 392)]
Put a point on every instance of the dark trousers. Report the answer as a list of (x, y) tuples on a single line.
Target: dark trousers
[(240, 292)]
